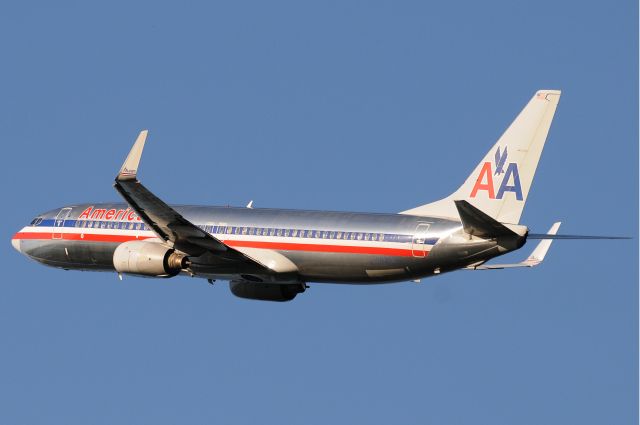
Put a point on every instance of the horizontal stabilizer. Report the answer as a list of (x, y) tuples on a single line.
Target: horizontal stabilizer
[(477, 223), (568, 237), (532, 260)]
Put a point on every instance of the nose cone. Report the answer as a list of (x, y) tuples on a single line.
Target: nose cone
[(16, 244)]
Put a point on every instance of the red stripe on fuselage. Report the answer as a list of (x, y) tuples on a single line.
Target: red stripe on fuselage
[(345, 249), (281, 246)]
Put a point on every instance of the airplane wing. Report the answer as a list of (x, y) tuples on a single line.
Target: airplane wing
[(166, 222), (536, 257)]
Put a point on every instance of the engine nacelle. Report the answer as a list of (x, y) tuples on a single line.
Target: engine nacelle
[(266, 291), (148, 259)]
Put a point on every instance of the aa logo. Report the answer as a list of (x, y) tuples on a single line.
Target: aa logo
[(510, 177)]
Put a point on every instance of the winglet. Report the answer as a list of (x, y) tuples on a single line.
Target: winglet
[(130, 167), (541, 249)]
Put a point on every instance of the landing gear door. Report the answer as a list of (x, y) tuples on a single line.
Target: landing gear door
[(58, 224), (418, 243)]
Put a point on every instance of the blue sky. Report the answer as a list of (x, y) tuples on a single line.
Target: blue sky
[(365, 106)]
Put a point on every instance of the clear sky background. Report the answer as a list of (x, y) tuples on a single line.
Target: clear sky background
[(341, 105)]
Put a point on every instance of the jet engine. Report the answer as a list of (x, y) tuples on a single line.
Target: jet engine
[(266, 291), (148, 259)]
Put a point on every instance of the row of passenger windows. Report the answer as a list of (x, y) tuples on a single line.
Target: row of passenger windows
[(91, 224), (297, 233), (253, 231)]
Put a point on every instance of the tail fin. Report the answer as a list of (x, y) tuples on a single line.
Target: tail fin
[(500, 183)]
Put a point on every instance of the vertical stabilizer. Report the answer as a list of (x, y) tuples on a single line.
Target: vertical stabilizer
[(500, 183)]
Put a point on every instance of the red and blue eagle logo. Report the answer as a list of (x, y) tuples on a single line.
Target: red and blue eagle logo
[(485, 180)]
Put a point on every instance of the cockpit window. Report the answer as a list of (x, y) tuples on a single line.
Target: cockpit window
[(36, 221)]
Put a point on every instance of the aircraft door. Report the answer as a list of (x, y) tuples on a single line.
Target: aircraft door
[(58, 224), (418, 243)]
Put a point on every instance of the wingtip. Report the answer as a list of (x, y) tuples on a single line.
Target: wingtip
[(554, 228), (129, 169)]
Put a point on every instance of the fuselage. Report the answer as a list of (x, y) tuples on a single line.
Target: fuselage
[(341, 247)]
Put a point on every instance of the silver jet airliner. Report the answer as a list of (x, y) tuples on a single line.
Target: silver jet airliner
[(271, 254)]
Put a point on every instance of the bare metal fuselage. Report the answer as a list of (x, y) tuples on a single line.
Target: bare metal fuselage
[(339, 247)]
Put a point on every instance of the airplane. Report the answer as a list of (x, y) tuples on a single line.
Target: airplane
[(272, 254)]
